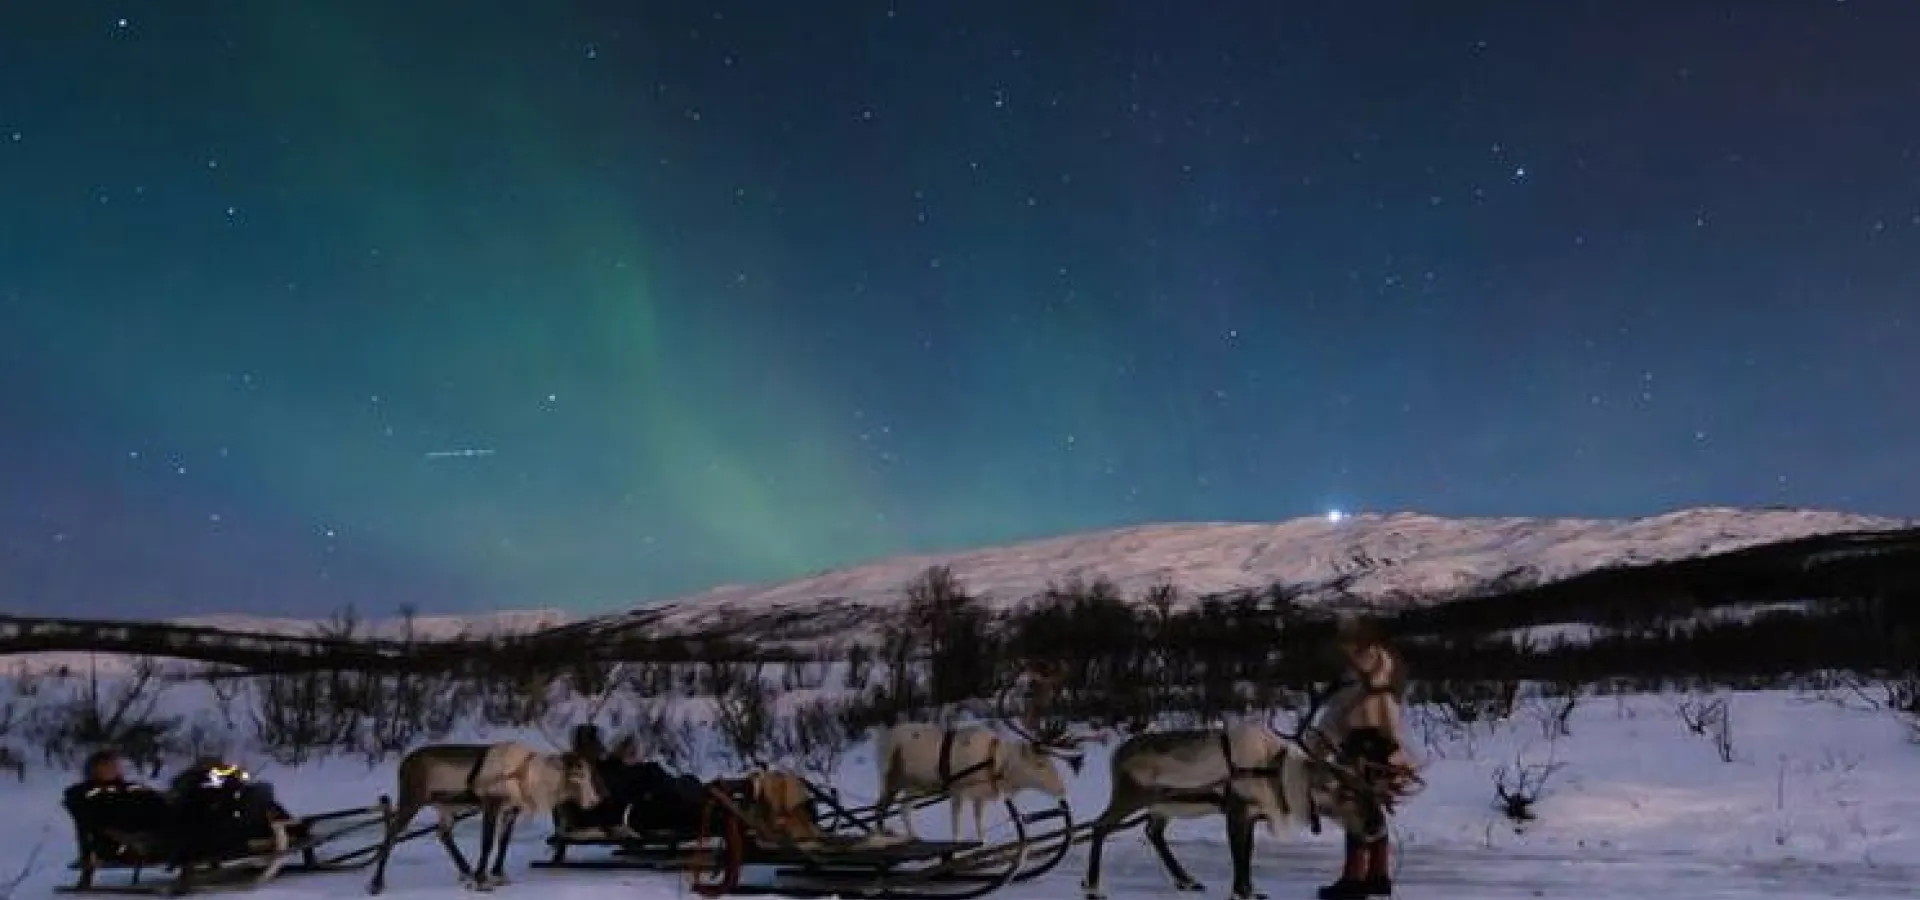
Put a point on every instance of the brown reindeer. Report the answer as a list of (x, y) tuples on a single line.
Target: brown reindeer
[(499, 781)]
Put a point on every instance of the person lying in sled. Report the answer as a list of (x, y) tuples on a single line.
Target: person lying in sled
[(1362, 721), (106, 807), (642, 795), (219, 808)]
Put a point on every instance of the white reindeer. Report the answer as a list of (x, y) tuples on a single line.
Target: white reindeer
[(1245, 771), (500, 781), (969, 763)]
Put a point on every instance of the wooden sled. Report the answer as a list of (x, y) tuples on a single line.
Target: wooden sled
[(291, 847), (840, 853)]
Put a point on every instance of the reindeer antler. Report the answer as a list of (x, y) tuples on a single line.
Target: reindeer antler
[(1048, 733), (1316, 701), (1000, 709)]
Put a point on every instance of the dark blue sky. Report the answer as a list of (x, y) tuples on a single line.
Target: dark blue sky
[(510, 304)]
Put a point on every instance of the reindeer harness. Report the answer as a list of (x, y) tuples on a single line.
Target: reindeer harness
[(1220, 793), (948, 777), (518, 774)]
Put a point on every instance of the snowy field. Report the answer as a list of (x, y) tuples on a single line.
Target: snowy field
[(1795, 797)]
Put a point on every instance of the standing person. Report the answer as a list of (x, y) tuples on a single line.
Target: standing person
[(1363, 721)]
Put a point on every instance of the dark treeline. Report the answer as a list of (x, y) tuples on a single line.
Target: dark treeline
[(1082, 652)]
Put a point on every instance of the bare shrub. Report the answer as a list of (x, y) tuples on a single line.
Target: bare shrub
[(1519, 787), (513, 698), (676, 742), (744, 717), (1897, 696), (649, 679), (1711, 718), (1553, 708), (1474, 702), (813, 740), (805, 674), (295, 718), (203, 736), (859, 671), (225, 690), (120, 717), (1441, 731)]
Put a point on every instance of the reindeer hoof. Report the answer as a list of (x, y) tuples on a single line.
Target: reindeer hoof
[(1091, 893), (1192, 887)]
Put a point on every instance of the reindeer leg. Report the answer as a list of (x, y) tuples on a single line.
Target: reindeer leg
[(1124, 801), (979, 821), (953, 813), (1157, 837), (499, 874), (489, 826), (1240, 848), (906, 815), (396, 822), (445, 830)]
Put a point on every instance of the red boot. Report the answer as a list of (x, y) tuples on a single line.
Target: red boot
[(1378, 881), (1353, 876)]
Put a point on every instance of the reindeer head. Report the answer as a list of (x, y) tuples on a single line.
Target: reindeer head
[(580, 780), (1029, 763)]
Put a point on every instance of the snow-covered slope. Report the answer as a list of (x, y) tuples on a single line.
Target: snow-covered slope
[(1373, 559), (438, 627)]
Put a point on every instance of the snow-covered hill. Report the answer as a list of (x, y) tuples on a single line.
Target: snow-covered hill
[(1389, 559), (1401, 558)]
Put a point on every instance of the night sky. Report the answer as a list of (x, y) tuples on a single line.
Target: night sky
[(475, 305)]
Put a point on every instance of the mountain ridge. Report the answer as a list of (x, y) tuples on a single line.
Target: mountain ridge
[(1376, 559), (1403, 558)]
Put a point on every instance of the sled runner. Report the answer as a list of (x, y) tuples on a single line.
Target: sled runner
[(776, 833)]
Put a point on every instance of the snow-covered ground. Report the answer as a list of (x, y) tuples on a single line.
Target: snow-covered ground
[(1804, 798)]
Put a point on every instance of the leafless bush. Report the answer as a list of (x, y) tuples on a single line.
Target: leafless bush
[(1553, 708), (813, 740), (804, 675), (1517, 788), (389, 714), (120, 717), (1471, 702), (11, 759), (1897, 695), (226, 691), (675, 742), (295, 718), (649, 679), (1441, 731), (203, 736), (512, 699), (744, 717), (1709, 718), (859, 671)]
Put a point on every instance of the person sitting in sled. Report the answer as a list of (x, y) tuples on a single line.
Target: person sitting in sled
[(1362, 721), (219, 808), (108, 807)]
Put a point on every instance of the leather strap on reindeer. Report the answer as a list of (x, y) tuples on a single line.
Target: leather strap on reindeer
[(1235, 772), (948, 777), (519, 773)]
